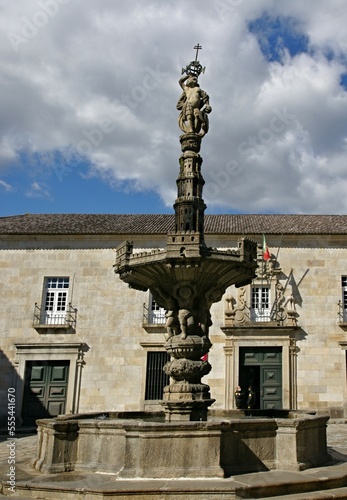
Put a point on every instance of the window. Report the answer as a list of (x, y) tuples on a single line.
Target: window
[(55, 301), (260, 309), (157, 313), (344, 297), (153, 314), (55, 313), (156, 379)]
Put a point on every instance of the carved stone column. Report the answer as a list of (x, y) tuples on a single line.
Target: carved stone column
[(292, 373), (229, 377), (187, 398), (187, 277)]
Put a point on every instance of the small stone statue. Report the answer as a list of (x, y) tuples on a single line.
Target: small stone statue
[(194, 106), (290, 303), (194, 103), (205, 321), (171, 322), (239, 398), (186, 320), (251, 398)]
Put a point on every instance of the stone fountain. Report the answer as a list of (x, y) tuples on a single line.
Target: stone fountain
[(188, 277), (185, 278)]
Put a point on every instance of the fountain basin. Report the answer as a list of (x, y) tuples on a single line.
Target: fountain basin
[(146, 447)]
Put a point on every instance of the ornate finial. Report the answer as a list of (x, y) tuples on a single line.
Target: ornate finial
[(194, 68)]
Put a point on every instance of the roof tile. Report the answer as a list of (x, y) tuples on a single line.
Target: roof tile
[(162, 223)]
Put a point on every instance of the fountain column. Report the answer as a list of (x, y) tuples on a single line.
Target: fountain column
[(188, 277), (187, 398)]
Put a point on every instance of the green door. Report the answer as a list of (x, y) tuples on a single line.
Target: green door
[(261, 368), (45, 389)]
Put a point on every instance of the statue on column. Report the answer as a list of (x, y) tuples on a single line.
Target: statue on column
[(194, 102)]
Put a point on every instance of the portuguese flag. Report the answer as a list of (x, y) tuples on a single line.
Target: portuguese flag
[(266, 252)]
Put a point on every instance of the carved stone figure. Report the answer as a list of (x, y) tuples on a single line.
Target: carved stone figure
[(171, 323), (290, 303), (251, 398), (204, 321), (194, 106), (229, 310), (239, 398), (241, 312), (186, 320)]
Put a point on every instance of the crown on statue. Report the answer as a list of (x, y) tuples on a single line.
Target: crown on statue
[(194, 68)]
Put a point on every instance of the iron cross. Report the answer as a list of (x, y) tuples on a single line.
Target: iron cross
[(197, 47)]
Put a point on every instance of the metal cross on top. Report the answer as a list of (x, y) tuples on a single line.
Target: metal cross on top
[(194, 68), (197, 47)]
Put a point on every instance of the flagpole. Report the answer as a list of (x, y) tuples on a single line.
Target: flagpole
[(278, 248), (289, 276)]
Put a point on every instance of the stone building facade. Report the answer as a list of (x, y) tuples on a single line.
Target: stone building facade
[(75, 338)]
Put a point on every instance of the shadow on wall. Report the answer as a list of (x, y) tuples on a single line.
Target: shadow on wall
[(9, 404)]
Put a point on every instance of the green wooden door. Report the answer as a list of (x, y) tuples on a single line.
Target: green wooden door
[(45, 389), (270, 387), (261, 368)]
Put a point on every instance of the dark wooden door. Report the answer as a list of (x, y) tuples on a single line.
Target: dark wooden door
[(270, 387), (261, 368), (45, 389)]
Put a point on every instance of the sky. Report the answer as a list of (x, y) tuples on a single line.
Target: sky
[(88, 94)]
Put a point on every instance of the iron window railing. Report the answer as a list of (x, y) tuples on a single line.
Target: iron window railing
[(65, 318), (342, 311), (156, 379), (153, 317)]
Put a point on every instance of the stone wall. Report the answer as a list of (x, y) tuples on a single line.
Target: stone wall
[(109, 319)]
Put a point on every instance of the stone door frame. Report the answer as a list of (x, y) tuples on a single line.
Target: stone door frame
[(72, 352), (260, 337)]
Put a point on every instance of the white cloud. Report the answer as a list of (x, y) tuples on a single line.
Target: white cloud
[(100, 80), (6, 186), (37, 190), (8, 153)]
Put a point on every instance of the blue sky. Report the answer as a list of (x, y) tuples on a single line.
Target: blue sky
[(276, 35), (88, 105)]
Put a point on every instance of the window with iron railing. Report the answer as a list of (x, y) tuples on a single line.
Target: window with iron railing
[(156, 379), (153, 314), (260, 304), (55, 310), (68, 319), (343, 303)]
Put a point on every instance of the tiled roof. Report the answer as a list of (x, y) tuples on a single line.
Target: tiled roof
[(162, 223)]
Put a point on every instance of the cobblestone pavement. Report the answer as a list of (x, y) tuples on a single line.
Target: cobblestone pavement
[(24, 447), (337, 440)]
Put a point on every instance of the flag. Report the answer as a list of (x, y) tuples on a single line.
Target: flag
[(266, 252)]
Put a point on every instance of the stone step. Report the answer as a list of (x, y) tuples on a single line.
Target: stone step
[(18, 497), (289, 484), (336, 493), (320, 483), (332, 494), (133, 491)]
